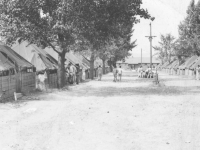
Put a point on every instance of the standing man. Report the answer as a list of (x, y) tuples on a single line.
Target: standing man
[(146, 72), (67, 73), (197, 72), (100, 72), (120, 73), (43, 80), (72, 71), (115, 73), (140, 72), (71, 74), (77, 73)]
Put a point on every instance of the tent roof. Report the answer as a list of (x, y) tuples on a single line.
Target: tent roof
[(85, 62), (74, 59), (5, 64), (41, 62), (188, 62), (165, 65), (45, 54), (195, 63), (16, 58), (176, 66), (173, 64), (35, 55), (70, 57)]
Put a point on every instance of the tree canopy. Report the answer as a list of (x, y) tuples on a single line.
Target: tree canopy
[(65, 25), (166, 47)]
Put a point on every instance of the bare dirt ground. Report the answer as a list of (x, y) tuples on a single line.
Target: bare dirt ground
[(104, 115)]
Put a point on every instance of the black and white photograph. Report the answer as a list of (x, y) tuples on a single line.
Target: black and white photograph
[(99, 74)]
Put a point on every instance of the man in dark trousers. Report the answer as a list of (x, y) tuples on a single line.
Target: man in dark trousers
[(78, 73)]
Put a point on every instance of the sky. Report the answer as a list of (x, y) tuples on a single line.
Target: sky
[(168, 15)]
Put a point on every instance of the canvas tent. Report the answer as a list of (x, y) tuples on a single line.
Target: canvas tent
[(40, 59), (17, 74), (171, 67), (35, 55), (184, 68), (71, 57), (193, 66), (164, 66)]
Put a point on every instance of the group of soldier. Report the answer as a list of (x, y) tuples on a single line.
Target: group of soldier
[(148, 73), (73, 73), (117, 73)]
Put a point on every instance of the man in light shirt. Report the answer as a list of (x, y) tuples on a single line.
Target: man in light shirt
[(100, 72), (115, 72), (120, 73), (72, 71)]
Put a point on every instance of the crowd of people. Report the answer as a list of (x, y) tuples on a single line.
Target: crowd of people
[(73, 73), (148, 73)]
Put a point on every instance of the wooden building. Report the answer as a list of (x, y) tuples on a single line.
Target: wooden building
[(136, 62)]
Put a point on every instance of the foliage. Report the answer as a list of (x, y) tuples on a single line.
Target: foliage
[(43, 22), (71, 24), (109, 19), (166, 48), (189, 32)]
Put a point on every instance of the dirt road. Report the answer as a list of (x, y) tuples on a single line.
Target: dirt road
[(104, 115)]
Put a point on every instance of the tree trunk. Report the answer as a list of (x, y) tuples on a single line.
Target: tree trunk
[(104, 66), (61, 69), (92, 66), (111, 67)]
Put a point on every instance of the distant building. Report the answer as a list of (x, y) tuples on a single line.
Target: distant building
[(135, 62)]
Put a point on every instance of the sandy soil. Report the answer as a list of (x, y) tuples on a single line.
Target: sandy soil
[(104, 115)]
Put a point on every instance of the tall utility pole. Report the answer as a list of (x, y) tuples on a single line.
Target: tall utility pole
[(150, 40)]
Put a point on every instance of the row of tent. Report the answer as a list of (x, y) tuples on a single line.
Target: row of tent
[(20, 65), (186, 68), (46, 58)]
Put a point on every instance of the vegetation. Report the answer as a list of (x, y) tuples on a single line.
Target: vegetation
[(166, 48), (66, 25), (188, 42)]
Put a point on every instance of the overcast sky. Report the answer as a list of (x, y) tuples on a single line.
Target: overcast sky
[(167, 13)]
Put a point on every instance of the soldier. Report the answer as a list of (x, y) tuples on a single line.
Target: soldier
[(120, 73), (100, 72), (115, 73), (77, 73)]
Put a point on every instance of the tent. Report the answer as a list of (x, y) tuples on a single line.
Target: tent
[(184, 68), (17, 74), (164, 66), (5, 64), (171, 67), (188, 62), (35, 55), (40, 59), (195, 64), (71, 57)]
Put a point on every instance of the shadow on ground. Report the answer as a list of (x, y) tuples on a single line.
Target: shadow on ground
[(131, 91)]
